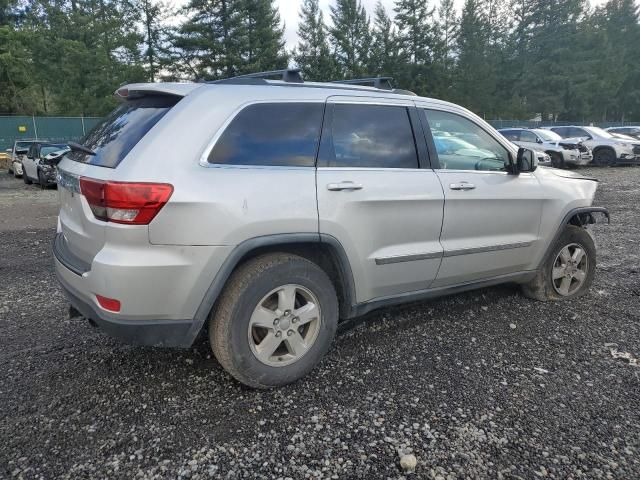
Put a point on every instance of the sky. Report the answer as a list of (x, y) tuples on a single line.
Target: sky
[(289, 12)]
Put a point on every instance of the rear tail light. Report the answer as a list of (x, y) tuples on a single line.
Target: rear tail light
[(125, 202)]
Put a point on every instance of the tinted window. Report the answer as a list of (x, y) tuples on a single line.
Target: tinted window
[(114, 137), (527, 136), (272, 134), (373, 136), (562, 131), (463, 145), (578, 132), (512, 135)]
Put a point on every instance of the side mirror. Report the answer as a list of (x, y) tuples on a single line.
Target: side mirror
[(527, 161), (538, 140)]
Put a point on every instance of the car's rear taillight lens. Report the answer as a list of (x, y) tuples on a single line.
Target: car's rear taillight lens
[(110, 304), (125, 202)]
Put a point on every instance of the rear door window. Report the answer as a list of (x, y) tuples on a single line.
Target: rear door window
[(527, 136), (271, 134), (114, 137), (369, 136), (513, 135)]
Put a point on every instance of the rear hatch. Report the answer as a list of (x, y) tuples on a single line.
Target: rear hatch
[(82, 175)]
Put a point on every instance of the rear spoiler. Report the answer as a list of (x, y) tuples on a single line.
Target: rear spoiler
[(137, 90)]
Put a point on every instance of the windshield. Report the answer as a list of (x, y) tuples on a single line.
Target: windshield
[(548, 135), (598, 132), (114, 137)]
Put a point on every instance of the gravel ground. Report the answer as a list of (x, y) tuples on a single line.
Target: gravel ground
[(483, 384)]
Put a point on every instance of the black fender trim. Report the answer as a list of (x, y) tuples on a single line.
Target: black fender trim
[(244, 248), (585, 216)]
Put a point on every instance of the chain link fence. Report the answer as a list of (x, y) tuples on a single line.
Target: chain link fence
[(54, 129)]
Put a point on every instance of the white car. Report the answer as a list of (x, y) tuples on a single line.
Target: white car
[(563, 152), (38, 167), (18, 154), (607, 148), (629, 131)]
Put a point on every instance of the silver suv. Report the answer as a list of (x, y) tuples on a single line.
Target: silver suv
[(263, 212)]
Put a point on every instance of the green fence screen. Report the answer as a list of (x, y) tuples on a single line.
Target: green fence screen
[(55, 129)]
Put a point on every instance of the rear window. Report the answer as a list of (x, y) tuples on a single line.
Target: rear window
[(47, 149), (271, 134), (114, 137)]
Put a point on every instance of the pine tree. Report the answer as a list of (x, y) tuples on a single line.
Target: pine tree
[(262, 44), (312, 53), (350, 37), (475, 78), (384, 49), (618, 64), (154, 15), (417, 41), (209, 44)]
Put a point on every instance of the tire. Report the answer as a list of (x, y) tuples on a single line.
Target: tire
[(557, 160), (25, 177), (41, 181), (604, 157), (235, 333), (545, 288)]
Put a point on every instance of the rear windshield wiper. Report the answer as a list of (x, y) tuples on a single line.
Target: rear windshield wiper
[(76, 147)]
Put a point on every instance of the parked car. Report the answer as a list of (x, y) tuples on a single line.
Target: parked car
[(629, 131), (607, 149), (18, 153), (291, 206), (39, 165), (5, 159), (563, 152)]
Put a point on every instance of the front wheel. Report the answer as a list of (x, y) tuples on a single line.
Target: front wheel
[(604, 157), (557, 160), (275, 320), (42, 181), (568, 270)]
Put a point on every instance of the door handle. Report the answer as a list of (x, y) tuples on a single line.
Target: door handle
[(336, 187), (462, 186)]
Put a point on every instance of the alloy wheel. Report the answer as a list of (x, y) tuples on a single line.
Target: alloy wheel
[(570, 269), (284, 325)]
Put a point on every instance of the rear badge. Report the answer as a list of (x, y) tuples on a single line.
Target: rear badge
[(68, 182)]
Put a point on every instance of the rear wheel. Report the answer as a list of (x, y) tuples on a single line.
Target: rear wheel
[(274, 321), (604, 157), (569, 269)]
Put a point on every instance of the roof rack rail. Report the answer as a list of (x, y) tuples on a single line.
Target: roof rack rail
[(382, 83), (288, 75)]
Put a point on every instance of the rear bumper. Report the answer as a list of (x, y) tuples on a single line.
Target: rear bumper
[(165, 333), (160, 289)]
